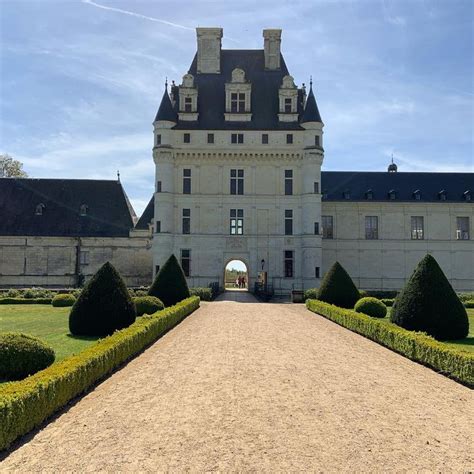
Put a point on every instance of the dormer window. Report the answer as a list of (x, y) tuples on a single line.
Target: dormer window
[(417, 195), (369, 195), (346, 194), (188, 96), (237, 98), (288, 106), (392, 195), (39, 209), (83, 208), (288, 97), (442, 195), (325, 194), (188, 104), (467, 195)]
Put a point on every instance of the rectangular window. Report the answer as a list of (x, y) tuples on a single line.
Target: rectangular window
[(288, 222), (236, 181), (316, 228), (264, 138), (316, 272), (371, 227), (237, 138), (237, 102), (462, 228), (288, 106), (316, 140), (417, 228), (158, 139), (186, 261), (84, 257), (186, 221), (288, 263), (188, 104), (289, 138), (187, 181), (210, 138), (288, 182), (187, 138), (158, 227), (316, 187), (236, 222), (328, 227), (158, 186)]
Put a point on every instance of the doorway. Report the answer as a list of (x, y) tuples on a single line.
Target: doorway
[(236, 277)]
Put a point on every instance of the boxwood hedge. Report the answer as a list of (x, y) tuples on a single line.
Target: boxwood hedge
[(25, 300)]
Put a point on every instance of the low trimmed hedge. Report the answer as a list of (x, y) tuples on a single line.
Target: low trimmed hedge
[(27, 403), (25, 300), (469, 304), (63, 300), (388, 301), (205, 294), (416, 346)]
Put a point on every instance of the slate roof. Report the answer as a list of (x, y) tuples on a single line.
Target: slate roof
[(311, 111), (166, 111), (335, 183), (147, 215), (109, 212), (264, 96)]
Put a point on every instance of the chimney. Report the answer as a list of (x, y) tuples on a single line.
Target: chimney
[(209, 50), (271, 44)]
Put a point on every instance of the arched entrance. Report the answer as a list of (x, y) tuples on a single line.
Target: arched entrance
[(236, 276)]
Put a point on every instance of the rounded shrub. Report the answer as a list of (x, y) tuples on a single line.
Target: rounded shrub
[(12, 293), (170, 284), (22, 355), (469, 304), (147, 304), (371, 306), (103, 306), (311, 294), (337, 288), (363, 294), (428, 303), (63, 300)]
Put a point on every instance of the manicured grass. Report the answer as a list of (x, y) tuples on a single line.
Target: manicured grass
[(45, 322)]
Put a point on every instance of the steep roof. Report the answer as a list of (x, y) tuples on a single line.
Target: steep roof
[(334, 184), (311, 112), (166, 111), (109, 213), (264, 96), (147, 215)]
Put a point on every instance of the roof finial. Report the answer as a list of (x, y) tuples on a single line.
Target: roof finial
[(118, 176), (311, 82), (392, 157), (166, 82)]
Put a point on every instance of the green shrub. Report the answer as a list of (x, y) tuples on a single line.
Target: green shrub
[(63, 300), (466, 297), (338, 288), (415, 345), (371, 306), (311, 293), (382, 294), (469, 304), (170, 283), (363, 294), (12, 293), (147, 304), (25, 300), (76, 292), (428, 303), (215, 290), (22, 355), (26, 404), (205, 294), (32, 293), (103, 306), (388, 301)]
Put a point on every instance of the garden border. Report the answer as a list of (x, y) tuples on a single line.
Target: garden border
[(27, 403)]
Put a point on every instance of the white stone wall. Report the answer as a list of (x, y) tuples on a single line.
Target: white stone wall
[(386, 263)]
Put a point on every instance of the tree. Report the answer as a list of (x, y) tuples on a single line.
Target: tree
[(10, 168), (428, 303), (170, 284), (338, 288)]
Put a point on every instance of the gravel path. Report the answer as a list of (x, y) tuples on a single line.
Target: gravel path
[(240, 386)]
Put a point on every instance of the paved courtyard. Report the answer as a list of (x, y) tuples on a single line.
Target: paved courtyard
[(242, 386)]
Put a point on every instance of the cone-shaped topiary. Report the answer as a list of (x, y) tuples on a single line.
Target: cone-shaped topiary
[(170, 283), (103, 306), (338, 288), (428, 303)]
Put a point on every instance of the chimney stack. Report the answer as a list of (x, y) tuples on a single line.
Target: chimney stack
[(271, 44), (209, 50)]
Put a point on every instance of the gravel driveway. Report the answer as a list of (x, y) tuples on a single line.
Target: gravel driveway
[(245, 386)]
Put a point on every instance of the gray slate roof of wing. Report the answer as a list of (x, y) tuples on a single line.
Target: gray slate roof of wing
[(357, 183), (311, 111), (166, 111), (147, 216), (264, 97), (109, 213)]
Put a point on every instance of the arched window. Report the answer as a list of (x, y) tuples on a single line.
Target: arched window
[(39, 209), (83, 210)]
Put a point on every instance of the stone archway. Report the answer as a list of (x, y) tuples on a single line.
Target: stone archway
[(236, 275)]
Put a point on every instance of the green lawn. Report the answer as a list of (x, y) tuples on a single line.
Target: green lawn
[(43, 321)]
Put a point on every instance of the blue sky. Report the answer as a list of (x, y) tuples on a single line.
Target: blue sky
[(81, 80)]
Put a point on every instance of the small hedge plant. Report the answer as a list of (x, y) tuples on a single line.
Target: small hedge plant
[(338, 288), (469, 304), (25, 300), (63, 300), (371, 306), (205, 294), (22, 355), (147, 304), (311, 293)]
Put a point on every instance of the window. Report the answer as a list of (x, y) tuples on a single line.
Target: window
[(467, 195), (236, 181), (83, 208), (83, 257), (442, 195), (288, 263), (237, 102), (462, 228), (288, 106), (237, 138), (210, 138), (316, 140), (158, 139), (316, 272), (187, 181), (186, 221), (316, 228), (417, 195), (264, 138), (39, 209), (346, 194), (188, 104), (158, 227), (288, 222), (371, 227), (158, 186), (369, 195), (288, 182), (328, 227), (316, 187), (392, 195), (236, 221), (186, 261), (187, 138), (289, 138), (417, 228)]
